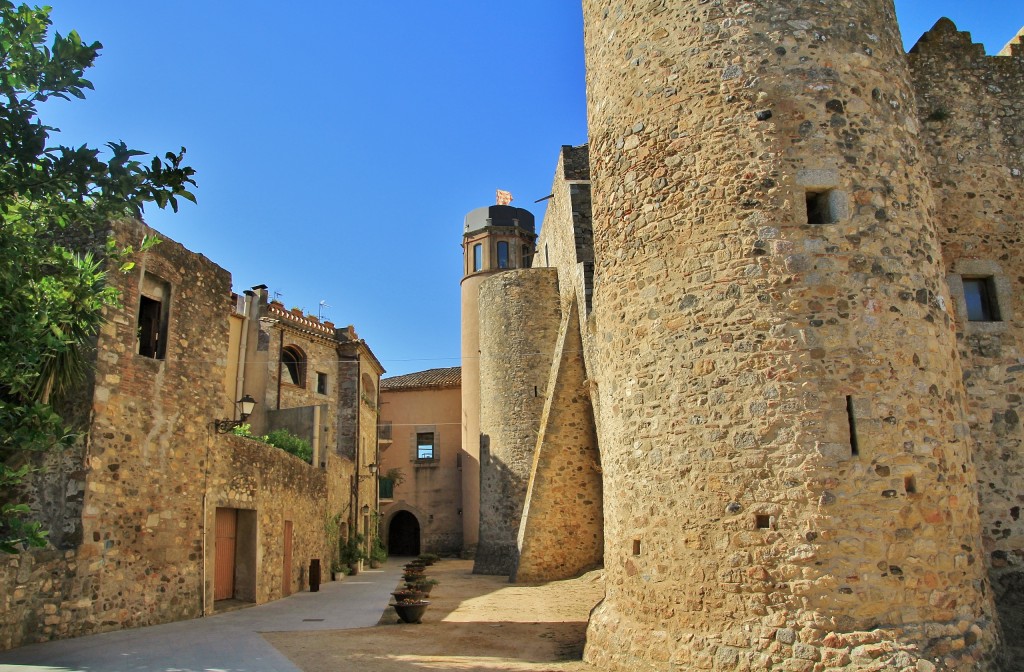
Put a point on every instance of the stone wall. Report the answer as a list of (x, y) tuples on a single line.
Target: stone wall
[(144, 484), (788, 483), (140, 557), (566, 240), (560, 534), (253, 476), (279, 329), (519, 323), (972, 110)]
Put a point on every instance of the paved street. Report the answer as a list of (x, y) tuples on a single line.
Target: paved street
[(229, 642)]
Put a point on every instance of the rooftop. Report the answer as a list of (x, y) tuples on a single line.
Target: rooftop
[(440, 378)]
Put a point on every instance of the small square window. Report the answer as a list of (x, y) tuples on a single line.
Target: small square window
[(819, 207), (980, 295), (321, 383), (424, 445)]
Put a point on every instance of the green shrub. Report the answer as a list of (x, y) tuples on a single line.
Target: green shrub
[(279, 438), (289, 443)]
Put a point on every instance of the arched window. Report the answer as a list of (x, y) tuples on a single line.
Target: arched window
[(502, 254), (478, 257), (293, 360)]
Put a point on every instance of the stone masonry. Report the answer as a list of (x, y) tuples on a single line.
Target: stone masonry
[(972, 110), (519, 324), (134, 539), (788, 485)]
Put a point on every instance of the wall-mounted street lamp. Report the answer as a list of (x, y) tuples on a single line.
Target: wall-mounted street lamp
[(373, 470), (366, 509), (245, 406)]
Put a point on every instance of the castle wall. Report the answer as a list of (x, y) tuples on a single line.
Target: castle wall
[(972, 110), (518, 327), (560, 534), (788, 484), (566, 240)]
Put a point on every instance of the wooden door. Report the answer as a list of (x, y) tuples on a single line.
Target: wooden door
[(286, 573), (224, 554)]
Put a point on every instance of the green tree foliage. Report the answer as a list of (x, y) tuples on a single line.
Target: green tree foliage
[(53, 299)]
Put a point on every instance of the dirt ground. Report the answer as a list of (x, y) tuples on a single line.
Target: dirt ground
[(473, 623)]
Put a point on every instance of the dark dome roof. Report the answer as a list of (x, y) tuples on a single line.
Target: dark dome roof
[(498, 215)]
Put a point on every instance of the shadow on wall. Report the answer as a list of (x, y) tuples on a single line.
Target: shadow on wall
[(1009, 598), (502, 497)]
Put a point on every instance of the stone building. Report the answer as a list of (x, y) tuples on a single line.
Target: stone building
[(155, 514), (422, 496), (316, 380), (771, 338)]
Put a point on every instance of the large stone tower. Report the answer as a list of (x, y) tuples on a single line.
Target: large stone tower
[(788, 473), (494, 239)]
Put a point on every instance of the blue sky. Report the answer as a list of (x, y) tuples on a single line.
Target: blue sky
[(339, 145)]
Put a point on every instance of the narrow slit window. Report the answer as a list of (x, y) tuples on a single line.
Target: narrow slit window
[(910, 485), (321, 383), (980, 295), (154, 304), (819, 207), (636, 547), (854, 449)]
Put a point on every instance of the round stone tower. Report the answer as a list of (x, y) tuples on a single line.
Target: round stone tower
[(788, 473), (494, 239)]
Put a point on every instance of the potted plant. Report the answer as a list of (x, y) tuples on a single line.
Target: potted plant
[(428, 558), (338, 570), (351, 553), (378, 554), (410, 611), (423, 585), (407, 594)]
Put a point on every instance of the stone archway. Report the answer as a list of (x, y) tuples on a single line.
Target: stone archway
[(404, 534)]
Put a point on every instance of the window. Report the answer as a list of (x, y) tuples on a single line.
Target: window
[(819, 207), (980, 295), (321, 383), (154, 309), (294, 365), (526, 256), (478, 257), (502, 254), (425, 446), (386, 489)]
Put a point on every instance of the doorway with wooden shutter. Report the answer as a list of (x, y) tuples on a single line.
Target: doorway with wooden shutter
[(234, 552)]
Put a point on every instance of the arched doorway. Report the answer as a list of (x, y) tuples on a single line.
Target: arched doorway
[(404, 534)]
